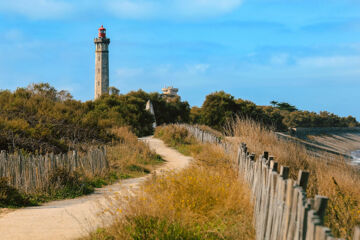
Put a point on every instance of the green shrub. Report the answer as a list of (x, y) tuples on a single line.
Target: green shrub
[(174, 135), (65, 184), (11, 197), (154, 228)]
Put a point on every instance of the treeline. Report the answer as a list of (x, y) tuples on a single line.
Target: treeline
[(41, 119), (219, 107)]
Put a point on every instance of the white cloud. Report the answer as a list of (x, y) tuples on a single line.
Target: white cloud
[(280, 59), (152, 78), (127, 9), (132, 9), (330, 62), (129, 72), (206, 7), (198, 68), (36, 9), (13, 35), (139, 9)]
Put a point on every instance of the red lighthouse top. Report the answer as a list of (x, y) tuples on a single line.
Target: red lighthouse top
[(102, 32)]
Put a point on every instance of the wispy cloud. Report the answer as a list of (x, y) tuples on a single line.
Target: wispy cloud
[(128, 73), (280, 59), (36, 9), (352, 24), (13, 35), (206, 7), (199, 68), (155, 76), (133, 9), (342, 62), (164, 9)]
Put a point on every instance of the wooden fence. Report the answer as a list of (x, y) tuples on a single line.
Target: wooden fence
[(282, 210), (29, 173)]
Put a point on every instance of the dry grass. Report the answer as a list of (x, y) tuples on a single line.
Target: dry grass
[(210, 130), (127, 156), (130, 157), (203, 201), (336, 180)]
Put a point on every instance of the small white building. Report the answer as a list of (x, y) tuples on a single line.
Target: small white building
[(170, 91)]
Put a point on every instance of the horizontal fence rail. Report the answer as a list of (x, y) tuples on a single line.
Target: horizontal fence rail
[(29, 173), (282, 210)]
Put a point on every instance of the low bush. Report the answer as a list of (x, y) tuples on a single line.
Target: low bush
[(66, 184), (179, 138), (129, 156), (11, 197)]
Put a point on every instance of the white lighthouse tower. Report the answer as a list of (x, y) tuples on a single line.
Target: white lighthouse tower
[(101, 63)]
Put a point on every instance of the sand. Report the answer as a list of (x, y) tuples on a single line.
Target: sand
[(71, 219)]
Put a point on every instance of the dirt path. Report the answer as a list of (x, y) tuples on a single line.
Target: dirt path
[(71, 219)]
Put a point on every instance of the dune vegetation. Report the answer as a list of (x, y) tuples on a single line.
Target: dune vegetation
[(127, 158), (40, 119), (204, 201), (329, 176), (220, 107)]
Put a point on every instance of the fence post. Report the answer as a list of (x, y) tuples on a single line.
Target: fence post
[(303, 178), (284, 172), (281, 208), (266, 155), (320, 205)]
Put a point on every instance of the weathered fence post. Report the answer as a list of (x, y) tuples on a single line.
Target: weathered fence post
[(281, 208), (29, 173), (320, 205), (303, 179)]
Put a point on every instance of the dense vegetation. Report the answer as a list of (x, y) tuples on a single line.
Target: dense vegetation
[(203, 201), (41, 119), (330, 175), (127, 158), (129, 110), (220, 107)]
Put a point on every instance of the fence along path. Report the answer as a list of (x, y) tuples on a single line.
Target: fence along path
[(282, 210), (29, 173)]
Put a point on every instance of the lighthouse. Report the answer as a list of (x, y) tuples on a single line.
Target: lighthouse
[(101, 63)]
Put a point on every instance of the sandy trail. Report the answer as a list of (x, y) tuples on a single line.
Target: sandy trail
[(71, 219)]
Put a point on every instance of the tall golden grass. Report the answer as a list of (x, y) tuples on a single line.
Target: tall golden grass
[(335, 179), (204, 201), (129, 156)]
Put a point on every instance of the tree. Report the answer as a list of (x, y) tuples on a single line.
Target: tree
[(114, 91), (274, 103), (284, 106), (218, 108), (195, 115)]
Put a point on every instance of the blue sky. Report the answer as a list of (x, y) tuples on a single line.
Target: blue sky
[(305, 52)]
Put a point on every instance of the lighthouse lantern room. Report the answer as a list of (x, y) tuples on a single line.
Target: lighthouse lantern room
[(102, 32)]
